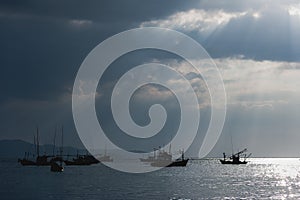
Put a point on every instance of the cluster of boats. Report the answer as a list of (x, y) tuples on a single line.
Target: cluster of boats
[(55, 161), (160, 158), (48, 160)]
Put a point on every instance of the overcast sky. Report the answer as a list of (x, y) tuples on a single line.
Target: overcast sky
[(255, 44)]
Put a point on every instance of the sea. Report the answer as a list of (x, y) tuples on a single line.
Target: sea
[(261, 178)]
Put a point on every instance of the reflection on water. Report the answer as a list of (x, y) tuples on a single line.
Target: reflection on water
[(262, 178)]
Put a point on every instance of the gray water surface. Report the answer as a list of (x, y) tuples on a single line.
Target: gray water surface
[(262, 178)]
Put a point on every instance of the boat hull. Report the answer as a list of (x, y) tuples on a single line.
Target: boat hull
[(229, 162), (82, 160), (177, 163), (181, 163), (26, 162)]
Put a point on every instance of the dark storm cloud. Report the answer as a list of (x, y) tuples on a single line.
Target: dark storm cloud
[(44, 43), (98, 11), (42, 47)]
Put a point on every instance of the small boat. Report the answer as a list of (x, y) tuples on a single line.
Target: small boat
[(40, 160), (105, 157), (82, 160), (234, 159), (180, 162), (53, 163), (56, 167), (165, 160), (43, 160)]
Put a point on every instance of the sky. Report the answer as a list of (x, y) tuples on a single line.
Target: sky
[(255, 44)]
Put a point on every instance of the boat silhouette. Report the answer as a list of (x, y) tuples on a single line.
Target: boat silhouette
[(42, 160), (39, 160), (105, 157), (82, 160), (164, 159), (180, 162), (55, 167), (234, 159), (26, 161)]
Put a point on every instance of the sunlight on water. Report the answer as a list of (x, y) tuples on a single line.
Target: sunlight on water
[(262, 178)]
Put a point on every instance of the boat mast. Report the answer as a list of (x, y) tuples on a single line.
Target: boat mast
[(62, 140), (62, 144), (231, 144), (34, 143), (53, 151), (37, 142)]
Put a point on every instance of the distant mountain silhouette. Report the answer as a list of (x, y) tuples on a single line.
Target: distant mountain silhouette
[(17, 148)]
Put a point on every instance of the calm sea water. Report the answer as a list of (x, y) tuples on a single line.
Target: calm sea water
[(262, 178)]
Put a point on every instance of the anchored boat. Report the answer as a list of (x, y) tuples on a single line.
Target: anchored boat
[(164, 159), (82, 160), (55, 167), (234, 159)]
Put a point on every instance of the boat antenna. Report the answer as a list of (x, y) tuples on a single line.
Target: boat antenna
[(154, 152), (105, 150), (231, 143)]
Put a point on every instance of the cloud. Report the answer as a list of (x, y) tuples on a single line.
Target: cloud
[(244, 28), (80, 23), (248, 83), (252, 83), (294, 10), (259, 37), (198, 20)]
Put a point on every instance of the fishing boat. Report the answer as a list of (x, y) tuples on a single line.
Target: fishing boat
[(82, 160), (164, 159), (26, 161), (234, 159), (39, 160), (105, 157), (180, 162), (55, 167)]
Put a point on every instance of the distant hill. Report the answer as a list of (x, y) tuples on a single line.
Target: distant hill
[(17, 149)]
